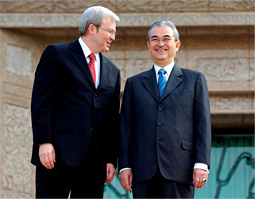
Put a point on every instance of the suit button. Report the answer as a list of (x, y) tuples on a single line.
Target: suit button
[(94, 111), (95, 94), (160, 108), (160, 123), (91, 129)]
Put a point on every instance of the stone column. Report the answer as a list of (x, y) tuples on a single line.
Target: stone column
[(19, 55)]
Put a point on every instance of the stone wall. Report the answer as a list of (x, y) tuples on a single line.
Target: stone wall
[(217, 39)]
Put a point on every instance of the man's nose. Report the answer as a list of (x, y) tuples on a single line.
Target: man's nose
[(112, 37), (161, 43)]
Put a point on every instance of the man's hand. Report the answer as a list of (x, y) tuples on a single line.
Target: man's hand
[(198, 176), (110, 172), (47, 155), (126, 178)]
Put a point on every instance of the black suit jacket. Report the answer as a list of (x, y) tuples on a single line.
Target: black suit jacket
[(171, 133), (67, 108)]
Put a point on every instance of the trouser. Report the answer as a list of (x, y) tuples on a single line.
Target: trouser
[(160, 187), (84, 181)]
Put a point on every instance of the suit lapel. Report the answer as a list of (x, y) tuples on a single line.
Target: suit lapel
[(80, 59), (174, 80), (150, 84), (104, 71)]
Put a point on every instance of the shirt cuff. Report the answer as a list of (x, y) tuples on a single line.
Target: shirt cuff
[(201, 166), (124, 169)]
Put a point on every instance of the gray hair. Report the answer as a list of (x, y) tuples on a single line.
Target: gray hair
[(164, 23), (94, 15)]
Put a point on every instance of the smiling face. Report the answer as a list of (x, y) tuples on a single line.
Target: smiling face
[(102, 37), (162, 45)]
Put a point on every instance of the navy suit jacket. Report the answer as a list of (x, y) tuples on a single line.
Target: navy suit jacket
[(67, 108), (172, 132)]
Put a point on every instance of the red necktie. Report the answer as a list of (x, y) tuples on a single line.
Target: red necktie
[(92, 66)]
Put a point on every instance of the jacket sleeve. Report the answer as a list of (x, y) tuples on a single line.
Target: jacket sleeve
[(44, 91), (125, 127), (202, 122), (114, 120)]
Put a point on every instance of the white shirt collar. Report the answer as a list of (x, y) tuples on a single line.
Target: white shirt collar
[(86, 49), (168, 68)]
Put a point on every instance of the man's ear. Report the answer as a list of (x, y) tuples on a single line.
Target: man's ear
[(148, 45), (177, 45), (91, 29)]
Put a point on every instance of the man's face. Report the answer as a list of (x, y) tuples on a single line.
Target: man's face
[(103, 38), (162, 45)]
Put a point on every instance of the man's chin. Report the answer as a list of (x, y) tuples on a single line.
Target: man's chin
[(106, 49), (161, 58)]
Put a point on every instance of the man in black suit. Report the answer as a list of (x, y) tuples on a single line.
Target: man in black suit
[(165, 135), (75, 112)]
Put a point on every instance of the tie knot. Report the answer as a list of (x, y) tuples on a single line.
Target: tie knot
[(92, 57), (162, 71)]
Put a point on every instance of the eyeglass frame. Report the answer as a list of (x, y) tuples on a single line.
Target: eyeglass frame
[(111, 32)]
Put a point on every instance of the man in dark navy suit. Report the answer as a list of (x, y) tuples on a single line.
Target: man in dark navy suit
[(75, 112), (165, 124)]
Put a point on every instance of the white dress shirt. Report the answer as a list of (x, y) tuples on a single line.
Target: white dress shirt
[(168, 69), (87, 52)]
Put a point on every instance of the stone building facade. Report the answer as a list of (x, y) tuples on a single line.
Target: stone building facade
[(217, 39)]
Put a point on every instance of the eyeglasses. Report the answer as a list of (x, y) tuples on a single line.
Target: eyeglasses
[(165, 40), (110, 31)]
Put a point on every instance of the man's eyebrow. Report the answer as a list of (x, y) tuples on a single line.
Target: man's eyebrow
[(165, 36), (154, 36)]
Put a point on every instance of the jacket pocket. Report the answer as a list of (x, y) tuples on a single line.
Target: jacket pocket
[(187, 145)]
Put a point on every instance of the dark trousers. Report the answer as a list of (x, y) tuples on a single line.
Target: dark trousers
[(160, 187), (84, 181)]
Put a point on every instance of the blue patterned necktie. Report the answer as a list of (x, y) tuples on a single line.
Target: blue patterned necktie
[(161, 81)]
